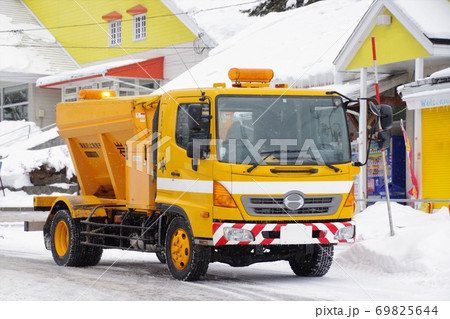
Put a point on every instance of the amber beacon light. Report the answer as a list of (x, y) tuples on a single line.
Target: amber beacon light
[(250, 75), (89, 94)]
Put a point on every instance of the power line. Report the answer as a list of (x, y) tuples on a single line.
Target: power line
[(131, 19), (55, 46)]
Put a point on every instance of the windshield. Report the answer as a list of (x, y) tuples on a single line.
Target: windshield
[(287, 130)]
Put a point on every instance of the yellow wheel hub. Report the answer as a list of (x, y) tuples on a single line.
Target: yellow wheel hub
[(61, 238), (180, 249)]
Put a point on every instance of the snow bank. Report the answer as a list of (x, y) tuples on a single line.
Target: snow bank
[(420, 244), (17, 165), (22, 135), (17, 158), (11, 131)]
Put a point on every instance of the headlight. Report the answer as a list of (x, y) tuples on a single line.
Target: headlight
[(345, 233), (238, 234)]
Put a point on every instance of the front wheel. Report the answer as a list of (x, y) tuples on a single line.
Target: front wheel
[(186, 261), (314, 261)]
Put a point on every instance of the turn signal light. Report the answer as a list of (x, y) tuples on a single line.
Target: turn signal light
[(89, 94), (351, 197), (222, 197), (250, 75)]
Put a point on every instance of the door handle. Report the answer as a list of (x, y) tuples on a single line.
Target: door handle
[(175, 173)]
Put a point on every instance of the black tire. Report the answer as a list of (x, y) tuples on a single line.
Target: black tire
[(92, 255), (312, 262), (185, 260), (161, 255), (66, 240)]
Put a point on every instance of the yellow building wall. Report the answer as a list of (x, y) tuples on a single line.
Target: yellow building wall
[(436, 154), (80, 29), (393, 42)]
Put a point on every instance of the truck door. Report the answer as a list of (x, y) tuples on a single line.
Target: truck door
[(178, 183)]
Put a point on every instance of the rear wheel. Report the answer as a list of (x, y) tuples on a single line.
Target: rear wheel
[(92, 255), (186, 261), (314, 261), (65, 240), (161, 256), (66, 246)]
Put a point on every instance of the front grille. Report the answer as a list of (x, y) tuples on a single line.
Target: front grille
[(266, 201), (274, 206), (279, 200)]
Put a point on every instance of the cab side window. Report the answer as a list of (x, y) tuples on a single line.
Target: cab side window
[(182, 133)]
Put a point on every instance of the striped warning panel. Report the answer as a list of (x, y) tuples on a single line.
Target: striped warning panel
[(282, 233)]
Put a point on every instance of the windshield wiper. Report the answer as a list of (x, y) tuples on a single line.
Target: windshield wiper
[(251, 168), (267, 156), (336, 169)]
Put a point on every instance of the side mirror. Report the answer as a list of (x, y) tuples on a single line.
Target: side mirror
[(190, 153), (196, 151), (384, 139), (199, 151), (386, 117), (195, 117), (384, 113)]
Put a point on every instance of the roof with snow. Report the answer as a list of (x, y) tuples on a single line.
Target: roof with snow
[(404, 30), (299, 45), (433, 91), (303, 46), (27, 50), (133, 68)]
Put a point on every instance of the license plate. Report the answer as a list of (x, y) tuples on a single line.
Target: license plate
[(295, 234)]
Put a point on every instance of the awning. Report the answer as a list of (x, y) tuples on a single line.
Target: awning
[(151, 68), (428, 98), (433, 91)]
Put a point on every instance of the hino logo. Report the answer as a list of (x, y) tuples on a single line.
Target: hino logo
[(293, 201)]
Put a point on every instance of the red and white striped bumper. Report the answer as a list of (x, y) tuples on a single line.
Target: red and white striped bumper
[(283, 234)]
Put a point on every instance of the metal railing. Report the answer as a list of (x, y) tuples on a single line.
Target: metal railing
[(48, 127), (27, 134)]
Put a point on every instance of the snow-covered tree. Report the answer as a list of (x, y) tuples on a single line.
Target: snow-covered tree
[(268, 6)]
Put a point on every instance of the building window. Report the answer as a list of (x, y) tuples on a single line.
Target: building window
[(146, 86), (139, 27), (115, 33), (128, 87), (15, 103), (70, 93)]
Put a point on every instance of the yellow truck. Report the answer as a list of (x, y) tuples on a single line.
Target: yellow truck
[(239, 175)]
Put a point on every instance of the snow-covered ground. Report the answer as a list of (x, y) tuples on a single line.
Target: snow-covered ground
[(412, 265)]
